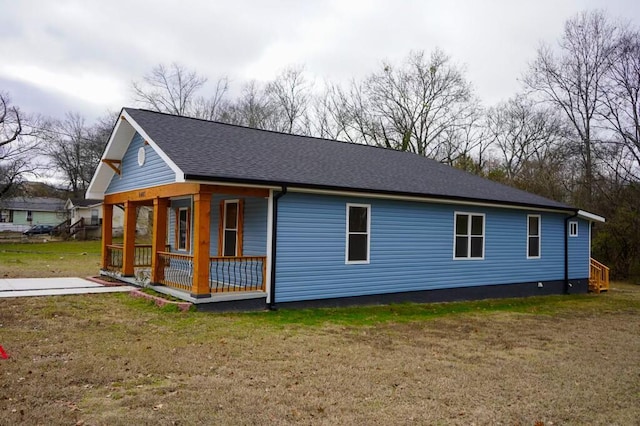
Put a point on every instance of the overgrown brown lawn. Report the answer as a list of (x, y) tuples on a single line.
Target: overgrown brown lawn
[(110, 359), (35, 259)]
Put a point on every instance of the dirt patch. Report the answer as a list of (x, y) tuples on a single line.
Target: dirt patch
[(110, 359)]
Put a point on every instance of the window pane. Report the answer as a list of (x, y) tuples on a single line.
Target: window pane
[(182, 229), (462, 227), (476, 246), (573, 229), (232, 215), (476, 225), (230, 243), (534, 246), (357, 247), (357, 219), (461, 247), (533, 225)]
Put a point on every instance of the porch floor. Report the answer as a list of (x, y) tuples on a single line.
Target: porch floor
[(183, 295)]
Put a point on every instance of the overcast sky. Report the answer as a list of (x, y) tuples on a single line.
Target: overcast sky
[(82, 55)]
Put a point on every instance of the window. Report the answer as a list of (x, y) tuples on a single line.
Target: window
[(94, 217), (29, 216), (230, 228), (573, 229), (6, 216), (183, 219), (358, 225), (469, 236), (533, 236)]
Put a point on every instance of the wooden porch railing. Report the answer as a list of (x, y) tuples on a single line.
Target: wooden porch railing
[(226, 274), (114, 258), (598, 276), (237, 273), (141, 257)]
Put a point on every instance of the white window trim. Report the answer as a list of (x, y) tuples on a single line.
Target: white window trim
[(187, 243), (484, 237), (368, 234), (572, 224), (224, 223), (539, 236)]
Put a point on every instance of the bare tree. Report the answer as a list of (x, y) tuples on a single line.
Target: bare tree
[(415, 107), (522, 133), (573, 79), (252, 109), (465, 144), (213, 107), (171, 89), (621, 104), (15, 147), (289, 95), (75, 148)]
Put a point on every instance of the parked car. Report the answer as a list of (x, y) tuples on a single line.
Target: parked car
[(39, 230)]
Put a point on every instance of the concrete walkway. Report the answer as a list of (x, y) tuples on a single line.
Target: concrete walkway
[(23, 287)]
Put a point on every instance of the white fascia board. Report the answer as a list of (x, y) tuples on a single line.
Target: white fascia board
[(239, 185), (426, 200), (177, 170), (590, 216), (119, 141)]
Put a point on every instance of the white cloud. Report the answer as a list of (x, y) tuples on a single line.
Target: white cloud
[(83, 85), (91, 51)]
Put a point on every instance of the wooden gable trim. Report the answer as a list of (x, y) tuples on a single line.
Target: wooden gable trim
[(113, 164), (180, 189)]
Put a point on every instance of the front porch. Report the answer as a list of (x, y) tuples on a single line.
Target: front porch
[(198, 252)]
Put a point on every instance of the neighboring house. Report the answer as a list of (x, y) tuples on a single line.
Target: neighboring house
[(85, 219), (21, 213), (256, 217)]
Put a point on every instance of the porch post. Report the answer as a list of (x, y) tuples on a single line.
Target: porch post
[(159, 236), (129, 243), (107, 233), (201, 244)]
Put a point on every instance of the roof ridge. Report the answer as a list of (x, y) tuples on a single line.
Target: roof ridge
[(278, 132)]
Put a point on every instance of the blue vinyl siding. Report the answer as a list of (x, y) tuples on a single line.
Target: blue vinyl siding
[(411, 249), (153, 172), (255, 225), (579, 251)]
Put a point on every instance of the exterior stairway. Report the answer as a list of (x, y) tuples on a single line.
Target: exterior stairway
[(598, 277)]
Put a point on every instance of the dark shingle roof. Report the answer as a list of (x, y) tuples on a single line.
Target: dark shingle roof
[(85, 202), (207, 150), (38, 204)]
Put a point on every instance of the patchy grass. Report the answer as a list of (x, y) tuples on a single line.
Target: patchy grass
[(110, 359), (49, 259)]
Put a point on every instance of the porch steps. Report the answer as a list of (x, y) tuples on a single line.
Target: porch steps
[(598, 276)]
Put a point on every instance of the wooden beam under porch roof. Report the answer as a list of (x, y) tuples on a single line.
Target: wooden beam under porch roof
[(181, 189)]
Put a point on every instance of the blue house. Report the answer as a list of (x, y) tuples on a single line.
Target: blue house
[(253, 218)]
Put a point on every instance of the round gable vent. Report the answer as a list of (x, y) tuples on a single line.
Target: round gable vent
[(141, 154)]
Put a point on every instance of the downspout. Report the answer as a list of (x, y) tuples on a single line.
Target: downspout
[(567, 285), (274, 234)]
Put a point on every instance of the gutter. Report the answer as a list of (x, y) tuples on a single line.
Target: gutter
[(373, 192), (274, 235), (567, 284)]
